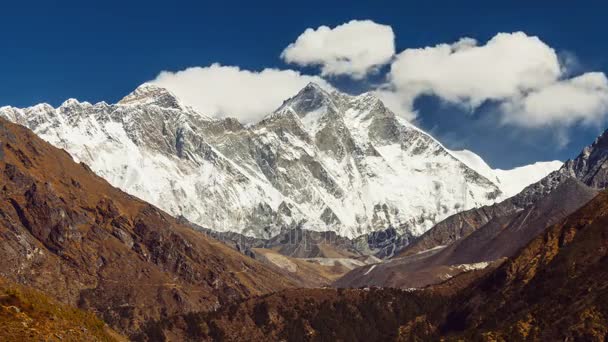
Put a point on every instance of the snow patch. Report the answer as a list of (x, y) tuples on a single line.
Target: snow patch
[(370, 269)]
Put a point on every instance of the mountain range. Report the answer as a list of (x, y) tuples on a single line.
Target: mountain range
[(67, 232), (482, 236), (77, 253), (323, 161)]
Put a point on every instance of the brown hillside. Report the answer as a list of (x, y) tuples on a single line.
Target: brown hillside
[(67, 232), (556, 288)]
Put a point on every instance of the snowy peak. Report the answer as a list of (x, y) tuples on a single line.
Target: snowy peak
[(71, 102), (311, 98), (373, 169), (312, 87), (151, 94), (322, 161)]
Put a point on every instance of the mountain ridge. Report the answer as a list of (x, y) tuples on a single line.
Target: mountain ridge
[(68, 232), (317, 162), (500, 238), (464, 223)]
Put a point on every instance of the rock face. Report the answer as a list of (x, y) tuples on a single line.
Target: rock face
[(322, 161), (591, 165), (66, 231)]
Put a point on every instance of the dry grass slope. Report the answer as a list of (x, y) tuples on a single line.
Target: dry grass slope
[(30, 315)]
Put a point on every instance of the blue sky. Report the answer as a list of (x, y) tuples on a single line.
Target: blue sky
[(95, 51)]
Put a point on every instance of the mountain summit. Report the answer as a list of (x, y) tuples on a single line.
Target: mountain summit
[(591, 164), (151, 94), (324, 160)]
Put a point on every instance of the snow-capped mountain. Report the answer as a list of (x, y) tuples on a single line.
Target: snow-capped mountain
[(591, 165), (511, 182), (322, 161)]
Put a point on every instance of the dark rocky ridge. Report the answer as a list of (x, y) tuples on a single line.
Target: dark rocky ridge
[(302, 243)]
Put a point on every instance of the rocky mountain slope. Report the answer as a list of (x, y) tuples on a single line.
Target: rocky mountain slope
[(308, 258), (67, 232), (589, 167), (501, 237), (553, 289), (322, 161)]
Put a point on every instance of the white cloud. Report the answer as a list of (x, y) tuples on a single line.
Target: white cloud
[(469, 74), (525, 77), (222, 91), (580, 99), (522, 74), (355, 48)]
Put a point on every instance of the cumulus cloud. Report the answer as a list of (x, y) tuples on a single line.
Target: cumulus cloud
[(580, 99), (222, 91), (523, 75), (355, 48), (528, 82), (466, 73)]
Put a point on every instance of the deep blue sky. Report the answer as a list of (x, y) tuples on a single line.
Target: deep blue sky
[(101, 50)]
